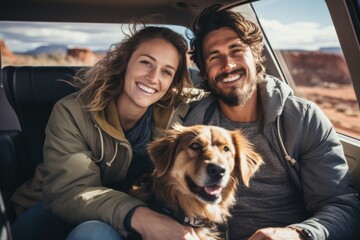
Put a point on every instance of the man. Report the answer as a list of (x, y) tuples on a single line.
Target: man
[(303, 191)]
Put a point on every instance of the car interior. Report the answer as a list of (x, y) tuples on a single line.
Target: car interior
[(28, 93)]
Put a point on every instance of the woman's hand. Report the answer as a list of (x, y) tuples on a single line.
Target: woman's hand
[(276, 233), (155, 226)]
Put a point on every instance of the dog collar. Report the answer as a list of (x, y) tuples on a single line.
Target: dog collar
[(180, 216), (196, 222)]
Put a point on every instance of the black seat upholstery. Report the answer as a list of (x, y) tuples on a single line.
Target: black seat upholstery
[(32, 93)]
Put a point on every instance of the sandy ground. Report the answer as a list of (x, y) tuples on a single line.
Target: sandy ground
[(339, 104)]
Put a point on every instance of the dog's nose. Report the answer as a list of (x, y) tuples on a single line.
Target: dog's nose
[(215, 171)]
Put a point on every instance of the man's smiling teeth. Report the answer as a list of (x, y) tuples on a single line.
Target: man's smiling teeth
[(231, 79), (145, 88)]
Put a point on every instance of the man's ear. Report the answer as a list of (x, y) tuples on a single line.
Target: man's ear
[(247, 161)]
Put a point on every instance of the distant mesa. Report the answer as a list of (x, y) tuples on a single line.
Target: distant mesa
[(315, 67), (336, 50), (49, 49), (83, 54), (60, 53), (5, 51)]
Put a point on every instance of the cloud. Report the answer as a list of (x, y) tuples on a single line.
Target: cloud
[(25, 36), (22, 37), (299, 35)]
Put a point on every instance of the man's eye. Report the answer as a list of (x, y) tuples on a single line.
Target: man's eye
[(196, 146), (214, 58), (239, 50)]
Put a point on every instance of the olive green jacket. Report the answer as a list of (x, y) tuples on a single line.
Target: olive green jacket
[(85, 152)]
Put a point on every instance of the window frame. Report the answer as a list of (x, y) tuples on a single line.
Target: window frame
[(346, 22)]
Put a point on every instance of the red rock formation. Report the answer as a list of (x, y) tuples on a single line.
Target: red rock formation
[(6, 53), (309, 68), (84, 54)]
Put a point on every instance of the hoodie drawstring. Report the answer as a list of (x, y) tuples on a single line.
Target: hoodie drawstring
[(287, 156), (102, 149), (111, 161)]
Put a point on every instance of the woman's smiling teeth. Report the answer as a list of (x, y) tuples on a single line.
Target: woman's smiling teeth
[(145, 88)]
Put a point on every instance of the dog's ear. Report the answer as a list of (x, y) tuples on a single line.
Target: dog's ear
[(162, 150), (247, 161)]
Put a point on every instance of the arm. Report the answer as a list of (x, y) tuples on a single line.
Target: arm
[(326, 180), (73, 187), (326, 183), (156, 226)]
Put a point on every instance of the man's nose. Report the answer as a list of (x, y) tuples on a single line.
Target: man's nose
[(229, 64)]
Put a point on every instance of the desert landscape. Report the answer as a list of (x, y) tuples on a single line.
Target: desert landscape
[(320, 76), (323, 78)]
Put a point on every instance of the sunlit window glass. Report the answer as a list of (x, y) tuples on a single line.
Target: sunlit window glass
[(304, 40)]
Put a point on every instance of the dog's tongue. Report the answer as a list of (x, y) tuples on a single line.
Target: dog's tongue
[(213, 190)]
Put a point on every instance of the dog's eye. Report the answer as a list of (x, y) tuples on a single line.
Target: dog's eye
[(226, 149), (196, 146)]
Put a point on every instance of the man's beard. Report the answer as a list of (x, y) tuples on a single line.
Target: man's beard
[(237, 96)]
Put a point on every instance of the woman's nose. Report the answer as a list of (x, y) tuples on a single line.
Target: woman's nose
[(152, 75)]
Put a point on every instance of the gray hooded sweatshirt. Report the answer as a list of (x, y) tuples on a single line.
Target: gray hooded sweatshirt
[(320, 172)]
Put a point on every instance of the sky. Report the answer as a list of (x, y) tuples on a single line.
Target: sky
[(302, 24), (309, 31)]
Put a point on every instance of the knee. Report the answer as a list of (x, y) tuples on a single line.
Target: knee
[(93, 230)]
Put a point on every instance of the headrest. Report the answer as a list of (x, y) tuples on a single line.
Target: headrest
[(34, 90)]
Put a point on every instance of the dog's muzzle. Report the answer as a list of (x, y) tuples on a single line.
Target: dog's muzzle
[(215, 172), (211, 190)]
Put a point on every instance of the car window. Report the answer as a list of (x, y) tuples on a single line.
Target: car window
[(304, 40), (64, 44)]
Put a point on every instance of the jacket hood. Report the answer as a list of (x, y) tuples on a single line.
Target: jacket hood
[(273, 95), (108, 121)]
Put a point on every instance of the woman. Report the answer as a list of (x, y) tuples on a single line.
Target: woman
[(96, 139)]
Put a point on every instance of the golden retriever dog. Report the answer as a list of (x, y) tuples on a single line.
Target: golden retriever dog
[(196, 172)]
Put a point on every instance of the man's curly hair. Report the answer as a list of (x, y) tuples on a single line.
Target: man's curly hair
[(214, 18)]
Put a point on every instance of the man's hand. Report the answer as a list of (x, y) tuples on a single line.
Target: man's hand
[(276, 233), (155, 226)]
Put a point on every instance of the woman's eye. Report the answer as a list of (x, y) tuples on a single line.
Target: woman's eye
[(146, 63), (167, 72), (196, 146)]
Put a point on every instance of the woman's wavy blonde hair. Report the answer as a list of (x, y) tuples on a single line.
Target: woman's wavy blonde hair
[(105, 80)]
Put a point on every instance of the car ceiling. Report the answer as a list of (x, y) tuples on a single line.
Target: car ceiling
[(180, 12)]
